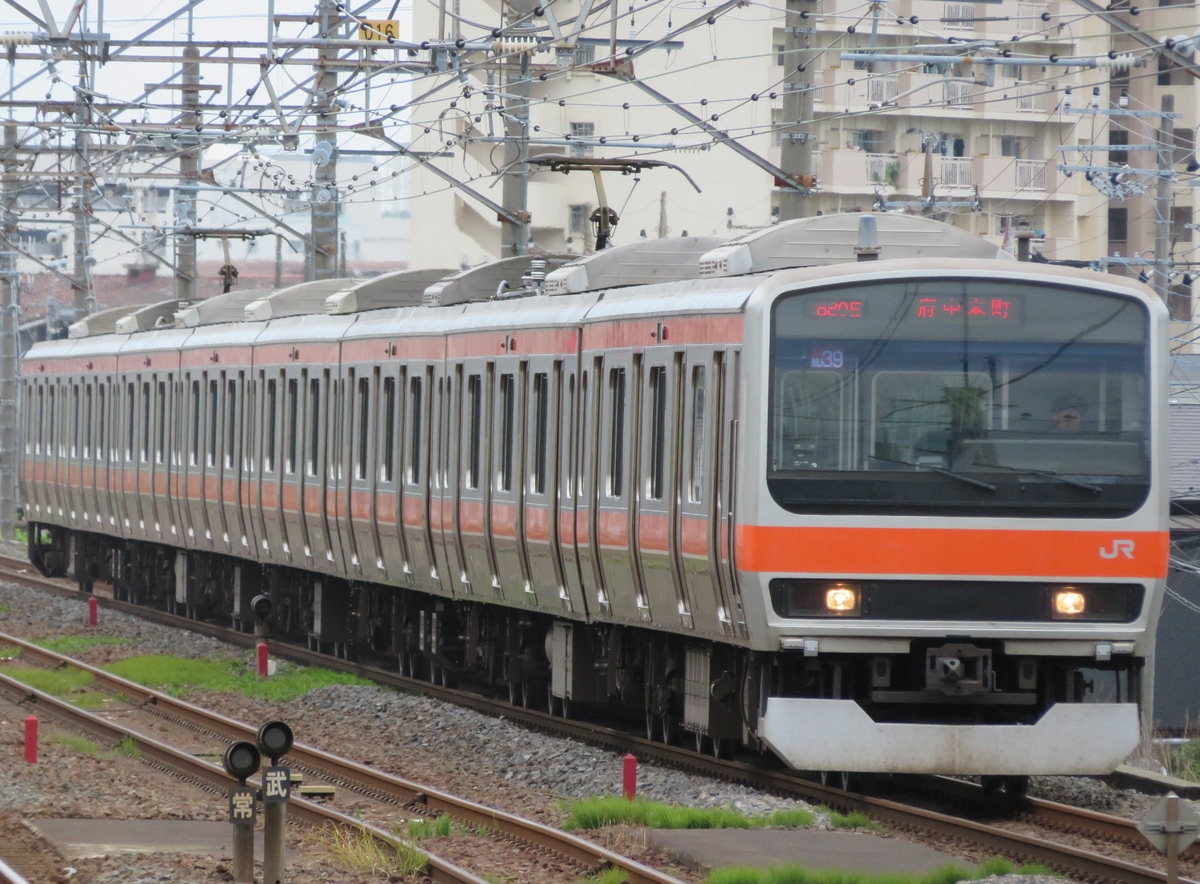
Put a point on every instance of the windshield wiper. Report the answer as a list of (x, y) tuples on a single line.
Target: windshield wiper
[(986, 486), (1058, 477)]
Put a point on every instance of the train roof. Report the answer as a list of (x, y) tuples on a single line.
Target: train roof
[(400, 288), (296, 300), (227, 307), (492, 280), (637, 263)]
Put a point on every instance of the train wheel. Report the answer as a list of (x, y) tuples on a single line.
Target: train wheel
[(1016, 787)]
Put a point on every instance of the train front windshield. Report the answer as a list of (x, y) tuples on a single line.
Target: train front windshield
[(968, 396)]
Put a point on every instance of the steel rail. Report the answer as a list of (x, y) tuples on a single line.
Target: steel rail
[(356, 776), (1063, 857)]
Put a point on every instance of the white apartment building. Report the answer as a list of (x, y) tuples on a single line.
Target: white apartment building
[(996, 133)]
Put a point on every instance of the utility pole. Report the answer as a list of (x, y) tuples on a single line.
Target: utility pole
[(189, 173), (324, 203), (8, 338), (80, 205), (1163, 200), (797, 130), (514, 236)]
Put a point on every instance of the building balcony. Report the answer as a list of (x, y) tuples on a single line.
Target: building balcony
[(856, 171)]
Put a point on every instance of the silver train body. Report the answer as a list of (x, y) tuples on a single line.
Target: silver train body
[(825, 511)]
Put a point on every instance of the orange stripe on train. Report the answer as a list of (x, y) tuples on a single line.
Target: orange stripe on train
[(952, 551)]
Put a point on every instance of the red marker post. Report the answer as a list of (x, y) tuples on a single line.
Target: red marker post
[(93, 611), (629, 781), (31, 737), (262, 659)]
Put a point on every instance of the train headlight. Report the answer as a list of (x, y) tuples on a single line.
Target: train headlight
[(1068, 603), (842, 598)]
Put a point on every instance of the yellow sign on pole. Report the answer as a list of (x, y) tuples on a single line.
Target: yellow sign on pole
[(378, 30)]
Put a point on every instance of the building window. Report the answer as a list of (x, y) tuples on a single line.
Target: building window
[(1118, 138), (1014, 146), (583, 131), (1118, 225), (1181, 224), (578, 219), (868, 140)]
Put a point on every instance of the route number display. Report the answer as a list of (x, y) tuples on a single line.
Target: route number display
[(378, 30)]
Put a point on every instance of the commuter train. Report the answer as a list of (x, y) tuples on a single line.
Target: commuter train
[(802, 492)]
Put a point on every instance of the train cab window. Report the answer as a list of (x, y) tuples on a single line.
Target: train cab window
[(508, 412), (271, 403), (194, 454), (616, 410), (541, 429), (658, 431), (230, 423), (415, 440), (293, 408), (213, 417), (474, 429), (696, 479), (944, 396), (362, 449), (388, 459)]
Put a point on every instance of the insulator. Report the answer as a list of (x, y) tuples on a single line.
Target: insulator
[(514, 44), (11, 39)]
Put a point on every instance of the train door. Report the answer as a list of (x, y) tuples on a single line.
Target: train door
[(191, 472), (620, 385), (441, 503), (361, 523), (314, 503), (511, 579), (416, 503), (216, 531), (540, 503), (657, 530), (54, 484), (403, 571), (74, 450), (91, 456), (100, 432), (335, 470), (698, 522), (726, 459), (164, 517), (386, 508), (271, 488), (565, 542), (463, 396), (232, 470), (475, 486), (292, 467), (587, 501), (251, 475)]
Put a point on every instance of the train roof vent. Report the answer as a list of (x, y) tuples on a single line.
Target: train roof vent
[(147, 318), (842, 239), (487, 281), (401, 288), (101, 323), (297, 300), (229, 307), (635, 263)]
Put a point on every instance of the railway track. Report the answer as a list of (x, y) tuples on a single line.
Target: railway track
[(995, 825)]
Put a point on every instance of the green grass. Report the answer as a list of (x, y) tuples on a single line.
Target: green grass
[(128, 746), (10, 653), (177, 675), (82, 745), (608, 876), (72, 645), (4, 609), (442, 827), (1183, 761), (791, 874), (357, 851), (613, 810), (854, 820), (57, 682)]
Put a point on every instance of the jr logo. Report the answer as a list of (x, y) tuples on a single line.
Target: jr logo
[(1119, 548)]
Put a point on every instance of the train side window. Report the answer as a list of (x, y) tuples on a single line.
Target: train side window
[(130, 422), (364, 413), (87, 425), (145, 405), (269, 415), (314, 424), (541, 429), (616, 404), (508, 410), (568, 436), (696, 483), (474, 428), (213, 418), (658, 431), (40, 426), (194, 454), (230, 423), (388, 460), (50, 421), (293, 408), (75, 425), (161, 407), (414, 461), (101, 417)]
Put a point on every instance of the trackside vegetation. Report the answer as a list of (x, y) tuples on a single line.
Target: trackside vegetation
[(614, 810), (177, 675), (949, 874)]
